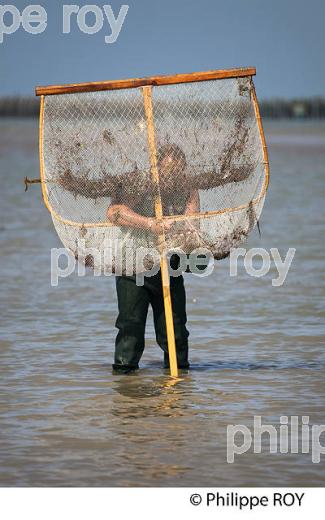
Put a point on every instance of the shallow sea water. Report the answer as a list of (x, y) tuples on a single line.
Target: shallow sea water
[(256, 350)]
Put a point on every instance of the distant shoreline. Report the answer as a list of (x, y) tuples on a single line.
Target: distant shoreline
[(309, 108)]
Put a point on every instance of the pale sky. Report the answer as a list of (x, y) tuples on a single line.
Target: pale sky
[(284, 39)]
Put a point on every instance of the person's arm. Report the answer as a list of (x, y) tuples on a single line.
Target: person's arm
[(193, 208), (123, 215), (193, 203)]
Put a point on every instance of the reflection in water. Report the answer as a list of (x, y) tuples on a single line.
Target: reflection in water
[(255, 349), (164, 394)]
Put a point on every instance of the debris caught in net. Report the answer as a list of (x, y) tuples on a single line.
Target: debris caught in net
[(95, 155)]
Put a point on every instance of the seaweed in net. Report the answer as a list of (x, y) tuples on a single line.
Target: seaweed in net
[(128, 185), (221, 249), (233, 153), (136, 183)]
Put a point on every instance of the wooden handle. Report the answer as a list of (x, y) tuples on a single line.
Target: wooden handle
[(147, 97)]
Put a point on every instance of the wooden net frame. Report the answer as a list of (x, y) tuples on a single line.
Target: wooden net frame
[(146, 86)]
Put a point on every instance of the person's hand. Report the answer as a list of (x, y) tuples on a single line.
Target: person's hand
[(159, 227)]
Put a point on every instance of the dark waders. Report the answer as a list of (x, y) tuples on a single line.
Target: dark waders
[(133, 304)]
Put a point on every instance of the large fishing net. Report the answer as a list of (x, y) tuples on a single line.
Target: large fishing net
[(211, 167)]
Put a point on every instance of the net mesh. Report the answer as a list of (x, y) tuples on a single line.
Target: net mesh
[(97, 168)]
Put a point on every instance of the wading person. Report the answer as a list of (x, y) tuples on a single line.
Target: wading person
[(134, 300), (133, 209)]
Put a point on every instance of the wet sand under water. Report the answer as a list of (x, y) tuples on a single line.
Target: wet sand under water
[(256, 350)]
